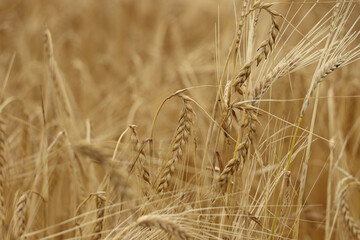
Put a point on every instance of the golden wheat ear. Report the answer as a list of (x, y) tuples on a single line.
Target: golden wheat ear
[(351, 224), (182, 134), (165, 224)]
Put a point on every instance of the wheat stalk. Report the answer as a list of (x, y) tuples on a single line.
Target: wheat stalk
[(2, 175)]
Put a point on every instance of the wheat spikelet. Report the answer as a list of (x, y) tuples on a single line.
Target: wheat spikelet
[(229, 170), (242, 76), (100, 204), (349, 221), (165, 224), (181, 137)]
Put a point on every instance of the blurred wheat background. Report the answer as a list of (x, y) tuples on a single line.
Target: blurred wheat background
[(179, 119)]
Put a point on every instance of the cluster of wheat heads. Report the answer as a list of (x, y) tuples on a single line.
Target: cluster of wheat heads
[(229, 160)]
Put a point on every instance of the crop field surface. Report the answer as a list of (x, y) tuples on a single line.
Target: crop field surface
[(179, 119)]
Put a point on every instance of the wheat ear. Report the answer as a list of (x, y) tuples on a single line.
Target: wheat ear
[(178, 148), (100, 204), (267, 45), (242, 149), (145, 173), (118, 177), (352, 225), (264, 49), (240, 26), (280, 70), (55, 74), (165, 224), (141, 157), (20, 209), (321, 75)]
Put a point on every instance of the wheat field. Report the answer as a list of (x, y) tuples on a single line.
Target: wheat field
[(129, 119)]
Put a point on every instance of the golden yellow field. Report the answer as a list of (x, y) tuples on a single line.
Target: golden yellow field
[(169, 119)]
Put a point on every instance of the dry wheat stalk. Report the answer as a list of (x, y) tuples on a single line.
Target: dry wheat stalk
[(179, 145), (100, 204), (349, 221), (165, 224), (2, 175)]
